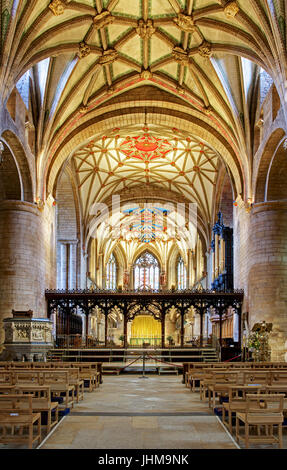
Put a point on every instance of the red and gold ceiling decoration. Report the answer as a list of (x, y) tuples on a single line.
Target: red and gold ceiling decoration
[(134, 157), (145, 147)]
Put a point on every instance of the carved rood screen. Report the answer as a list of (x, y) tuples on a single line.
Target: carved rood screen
[(86, 301), (132, 303)]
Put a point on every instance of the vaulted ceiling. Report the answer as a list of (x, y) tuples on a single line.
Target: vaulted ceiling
[(90, 60), (141, 156)]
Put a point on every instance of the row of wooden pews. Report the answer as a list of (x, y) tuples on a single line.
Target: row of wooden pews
[(253, 393), (35, 392)]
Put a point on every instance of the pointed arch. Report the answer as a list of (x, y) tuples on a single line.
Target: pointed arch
[(261, 175), (18, 153), (111, 273), (181, 274), (146, 270)]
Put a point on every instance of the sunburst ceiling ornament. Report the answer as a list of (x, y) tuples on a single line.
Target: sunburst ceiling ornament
[(145, 147)]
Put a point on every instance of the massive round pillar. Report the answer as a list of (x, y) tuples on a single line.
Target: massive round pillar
[(268, 272), (23, 256)]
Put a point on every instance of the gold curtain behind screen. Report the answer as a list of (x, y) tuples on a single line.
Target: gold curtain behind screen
[(145, 326)]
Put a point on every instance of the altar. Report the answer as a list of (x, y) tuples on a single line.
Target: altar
[(145, 341)]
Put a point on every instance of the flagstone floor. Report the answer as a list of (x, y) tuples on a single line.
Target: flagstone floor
[(129, 412)]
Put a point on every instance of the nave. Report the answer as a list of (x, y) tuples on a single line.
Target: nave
[(128, 412)]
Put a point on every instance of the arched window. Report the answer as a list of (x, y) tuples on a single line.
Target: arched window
[(181, 275), (111, 277), (146, 272)]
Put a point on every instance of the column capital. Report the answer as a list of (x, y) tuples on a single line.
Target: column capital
[(68, 242), (22, 206)]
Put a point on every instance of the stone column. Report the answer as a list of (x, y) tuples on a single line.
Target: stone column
[(162, 280), (63, 266), (126, 279), (23, 259), (268, 272)]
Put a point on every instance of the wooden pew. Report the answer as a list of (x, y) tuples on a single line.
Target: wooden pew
[(20, 365), (90, 375), (26, 377), (74, 379), (95, 367), (16, 415), (257, 376), (237, 401), (89, 371), (95, 371), (41, 402), (219, 385), (5, 377), (278, 377), (209, 378), (7, 389), (261, 410), (58, 380), (196, 375)]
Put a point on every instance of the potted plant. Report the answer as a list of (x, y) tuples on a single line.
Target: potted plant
[(122, 338), (170, 340), (258, 341)]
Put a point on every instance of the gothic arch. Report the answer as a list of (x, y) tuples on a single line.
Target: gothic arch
[(10, 179), (260, 177), (121, 261), (276, 187), (150, 249), (184, 121), (224, 197), (18, 153), (174, 255)]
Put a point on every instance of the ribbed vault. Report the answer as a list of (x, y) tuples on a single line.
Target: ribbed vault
[(80, 55)]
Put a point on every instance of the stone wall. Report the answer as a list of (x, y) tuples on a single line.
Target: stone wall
[(267, 277), (67, 235), (27, 257)]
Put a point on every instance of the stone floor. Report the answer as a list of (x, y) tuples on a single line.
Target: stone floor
[(128, 412)]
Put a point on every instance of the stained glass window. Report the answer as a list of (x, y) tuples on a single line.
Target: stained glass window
[(146, 272), (111, 277), (181, 275)]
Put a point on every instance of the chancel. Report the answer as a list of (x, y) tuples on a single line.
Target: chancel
[(143, 220)]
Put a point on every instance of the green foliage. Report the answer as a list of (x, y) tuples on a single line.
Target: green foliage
[(254, 341)]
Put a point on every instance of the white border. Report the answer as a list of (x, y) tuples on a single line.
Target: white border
[(227, 432), (51, 432)]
